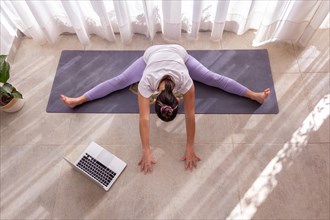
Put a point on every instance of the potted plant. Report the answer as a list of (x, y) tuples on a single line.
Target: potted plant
[(10, 99)]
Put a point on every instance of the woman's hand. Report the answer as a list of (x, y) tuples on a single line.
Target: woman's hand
[(190, 158), (146, 162)]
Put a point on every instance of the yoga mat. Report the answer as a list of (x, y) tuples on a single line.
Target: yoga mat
[(80, 70)]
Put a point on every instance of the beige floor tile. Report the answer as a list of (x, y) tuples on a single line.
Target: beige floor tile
[(29, 180), (317, 86), (293, 185), (231, 40), (314, 57), (104, 129), (281, 55), (319, 101), (35, 131), (277, 128), (33, 71), (318, 64), (169, 192), (254, 129), (32, 124), (167, 133), (213, 129), (209, 129), (76, 196)]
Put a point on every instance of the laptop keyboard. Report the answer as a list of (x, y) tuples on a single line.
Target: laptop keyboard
[(96, 169)]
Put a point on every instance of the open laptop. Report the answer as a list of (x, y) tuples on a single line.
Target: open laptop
[(99, 165)]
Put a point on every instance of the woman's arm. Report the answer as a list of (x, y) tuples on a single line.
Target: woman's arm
[(146, 161), (189, 110)]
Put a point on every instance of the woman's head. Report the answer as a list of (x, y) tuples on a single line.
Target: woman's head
[(167, 105)]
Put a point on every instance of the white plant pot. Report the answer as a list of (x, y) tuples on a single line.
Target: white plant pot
[(13, 106)]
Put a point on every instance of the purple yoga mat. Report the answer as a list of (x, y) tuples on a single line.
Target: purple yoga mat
[(79, 71)]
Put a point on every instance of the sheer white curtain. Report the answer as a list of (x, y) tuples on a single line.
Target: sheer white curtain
[(44, 21)]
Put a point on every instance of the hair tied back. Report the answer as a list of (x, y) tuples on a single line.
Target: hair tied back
[(166, 108)]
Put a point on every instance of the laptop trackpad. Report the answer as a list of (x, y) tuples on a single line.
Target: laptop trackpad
[(105, 157)]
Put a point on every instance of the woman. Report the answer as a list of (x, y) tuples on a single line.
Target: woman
[(166, 70)]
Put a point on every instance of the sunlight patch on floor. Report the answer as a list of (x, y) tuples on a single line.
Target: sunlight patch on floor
[(267, 181), (193, 184)]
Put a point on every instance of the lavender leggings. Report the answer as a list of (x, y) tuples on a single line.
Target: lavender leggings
[(134, 72)]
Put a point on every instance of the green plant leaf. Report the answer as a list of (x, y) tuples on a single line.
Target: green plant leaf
[(4, 69), (10, 90), (17, 94), (3, 92), (5, 97), (2, 58), (7, 87)]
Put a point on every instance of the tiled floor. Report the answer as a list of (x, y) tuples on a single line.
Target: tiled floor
[(253, 166)]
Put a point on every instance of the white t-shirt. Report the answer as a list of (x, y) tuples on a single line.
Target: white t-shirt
[(164, 60)]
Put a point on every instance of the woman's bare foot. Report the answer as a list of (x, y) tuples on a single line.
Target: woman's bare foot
[(258, 96), (262, 96), (73, 102)]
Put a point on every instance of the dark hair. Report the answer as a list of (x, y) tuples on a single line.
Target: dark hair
[(167, 105)]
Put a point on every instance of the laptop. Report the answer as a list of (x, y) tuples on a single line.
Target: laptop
[(99, 165)]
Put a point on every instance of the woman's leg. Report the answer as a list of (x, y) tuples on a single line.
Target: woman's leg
[(131, 75), (200, 73)]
